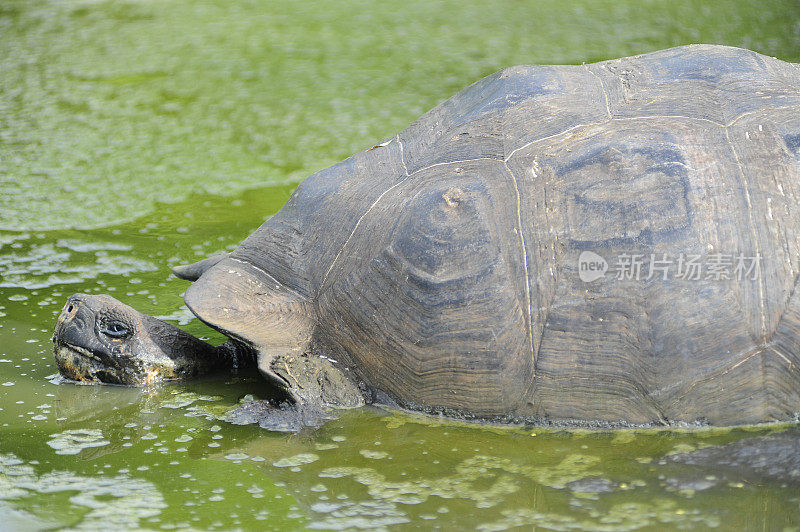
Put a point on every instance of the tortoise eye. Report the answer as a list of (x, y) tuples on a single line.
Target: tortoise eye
[(115, 329)]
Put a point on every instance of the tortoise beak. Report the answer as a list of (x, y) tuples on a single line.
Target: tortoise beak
[(67, 314)]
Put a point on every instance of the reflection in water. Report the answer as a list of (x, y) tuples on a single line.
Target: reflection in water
[(417, 470), (373, 468)]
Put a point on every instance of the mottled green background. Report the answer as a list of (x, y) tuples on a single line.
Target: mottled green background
[(108, 107), (136, 135)]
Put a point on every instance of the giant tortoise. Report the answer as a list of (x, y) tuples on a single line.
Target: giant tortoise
[(614, 243)]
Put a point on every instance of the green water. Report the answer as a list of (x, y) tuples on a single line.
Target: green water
[(137, 135)]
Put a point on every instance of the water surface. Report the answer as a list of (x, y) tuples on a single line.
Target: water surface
[(138, 135)]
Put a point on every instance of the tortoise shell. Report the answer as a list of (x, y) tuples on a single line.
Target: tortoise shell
[(442, 268)]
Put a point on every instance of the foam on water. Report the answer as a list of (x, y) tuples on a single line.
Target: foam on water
[(117, 501), (74, 441), (41, 265)]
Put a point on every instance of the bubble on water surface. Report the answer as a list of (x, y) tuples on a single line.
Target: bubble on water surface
[(256, 491), (76, 440)]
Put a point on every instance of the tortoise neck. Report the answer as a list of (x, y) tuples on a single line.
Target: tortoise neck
[(236, 355)]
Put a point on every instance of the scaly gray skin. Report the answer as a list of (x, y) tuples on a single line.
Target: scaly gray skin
[(99, 339)]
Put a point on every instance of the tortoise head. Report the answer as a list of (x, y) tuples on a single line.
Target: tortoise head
[(99, 339)]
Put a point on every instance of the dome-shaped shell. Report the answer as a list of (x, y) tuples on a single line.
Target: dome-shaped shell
[(443, 266)]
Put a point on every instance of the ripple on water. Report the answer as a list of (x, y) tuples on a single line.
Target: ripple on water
[(118, 502)]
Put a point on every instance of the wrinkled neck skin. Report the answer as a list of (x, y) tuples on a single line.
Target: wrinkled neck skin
[(99, 339)]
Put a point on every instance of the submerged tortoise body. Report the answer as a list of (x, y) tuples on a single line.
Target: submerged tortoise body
[(441, 269)]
